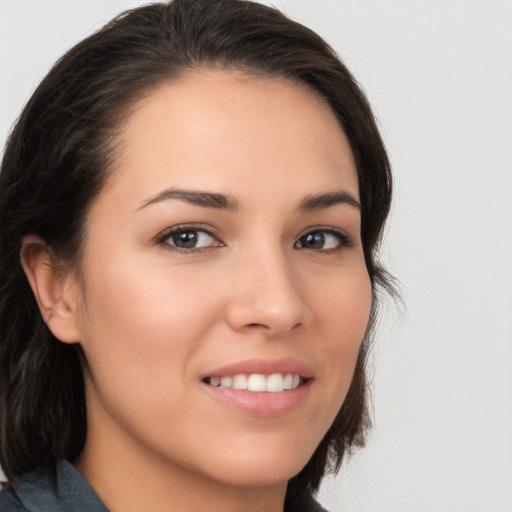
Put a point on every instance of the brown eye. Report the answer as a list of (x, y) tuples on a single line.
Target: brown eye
[(190, 239), (313, 241), (323, 240), (185, 240)]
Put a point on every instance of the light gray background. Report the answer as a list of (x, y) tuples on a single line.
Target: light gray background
[(439, 75)]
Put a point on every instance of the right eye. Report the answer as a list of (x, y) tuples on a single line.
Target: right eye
[(189, 239), (324, 240)]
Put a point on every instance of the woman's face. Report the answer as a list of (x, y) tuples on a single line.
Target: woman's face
[(225, 250)]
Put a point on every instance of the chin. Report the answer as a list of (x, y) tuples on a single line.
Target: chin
[(261, 466), (255, 475)]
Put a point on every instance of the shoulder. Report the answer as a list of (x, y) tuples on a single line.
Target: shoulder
[(33, 492), (313, 506), (9, 502), (51, 489), (302, 501)]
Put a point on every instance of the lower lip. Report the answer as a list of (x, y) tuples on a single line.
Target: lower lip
[(261, 403)]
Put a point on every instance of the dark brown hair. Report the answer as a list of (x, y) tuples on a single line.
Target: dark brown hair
[(58, 157)]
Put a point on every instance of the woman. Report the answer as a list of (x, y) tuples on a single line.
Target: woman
[(191, 205)]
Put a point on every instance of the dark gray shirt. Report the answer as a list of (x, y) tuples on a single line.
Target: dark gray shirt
[(67, 491), (42, 491)]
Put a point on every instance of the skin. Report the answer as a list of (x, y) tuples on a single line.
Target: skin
[(153, 319)]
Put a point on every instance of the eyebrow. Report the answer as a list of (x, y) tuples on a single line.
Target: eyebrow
[(227, 202), (321, 201), (195, 197)]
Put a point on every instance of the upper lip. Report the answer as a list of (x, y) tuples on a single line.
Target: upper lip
[(263, 366)]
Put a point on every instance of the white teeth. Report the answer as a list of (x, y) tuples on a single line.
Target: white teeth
[(240, 381), (274, 383), (226, 382), (256, 382), (215, 381)]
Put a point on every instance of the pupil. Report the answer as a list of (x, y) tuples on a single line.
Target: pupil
[(185, 240), (314, 240)]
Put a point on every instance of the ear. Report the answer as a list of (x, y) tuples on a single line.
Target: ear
[(54, 289)]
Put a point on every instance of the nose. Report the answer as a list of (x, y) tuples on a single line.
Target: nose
[(267, 296)]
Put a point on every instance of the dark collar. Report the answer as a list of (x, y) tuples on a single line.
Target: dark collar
[(66, 491)]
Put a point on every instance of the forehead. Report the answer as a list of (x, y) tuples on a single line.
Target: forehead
[(234, 133)]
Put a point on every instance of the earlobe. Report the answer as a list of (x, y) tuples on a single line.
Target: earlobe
[(52, 288)]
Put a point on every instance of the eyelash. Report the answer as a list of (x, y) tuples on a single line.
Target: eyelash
[(163, 239)]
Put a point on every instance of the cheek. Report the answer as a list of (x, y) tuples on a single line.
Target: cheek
[(343, 309), (343, 314), (140, 327), (141, 330)]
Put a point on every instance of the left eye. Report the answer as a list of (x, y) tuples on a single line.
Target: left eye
[(190, 239), (322, 240)]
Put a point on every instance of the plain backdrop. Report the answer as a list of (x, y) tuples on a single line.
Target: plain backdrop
[(439, 75)]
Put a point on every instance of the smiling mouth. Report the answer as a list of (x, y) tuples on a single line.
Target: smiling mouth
[(258, 382)]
